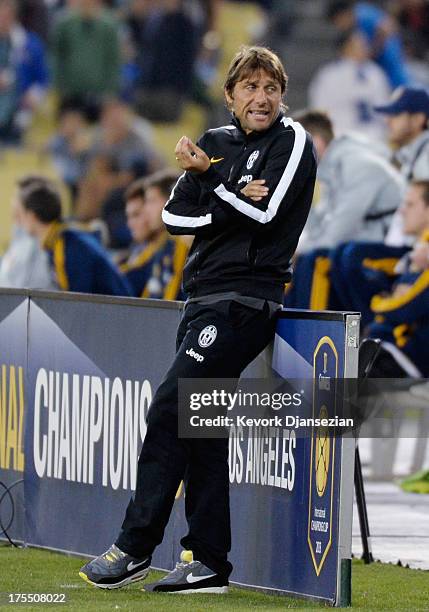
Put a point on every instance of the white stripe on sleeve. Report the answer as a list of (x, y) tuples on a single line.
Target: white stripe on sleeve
[(281, 189), (180, 220)]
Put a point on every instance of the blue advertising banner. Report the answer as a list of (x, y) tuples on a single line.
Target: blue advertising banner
[(92, 367), (292, 500)]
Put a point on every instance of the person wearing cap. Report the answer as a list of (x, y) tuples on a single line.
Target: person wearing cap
[(407, 116), (371, 266), (360, 192)]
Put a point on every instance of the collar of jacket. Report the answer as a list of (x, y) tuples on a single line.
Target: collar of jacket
[(54, 230), (142, 252), (256, 135), (407, 153)]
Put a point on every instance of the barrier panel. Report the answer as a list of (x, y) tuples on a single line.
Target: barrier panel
[(13, 350), (78, 375)]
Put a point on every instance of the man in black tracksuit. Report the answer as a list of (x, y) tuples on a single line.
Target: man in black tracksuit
[(245, 196)]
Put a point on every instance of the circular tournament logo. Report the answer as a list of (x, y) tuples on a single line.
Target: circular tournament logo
[(207, 336), (252, 158), (322, 455)]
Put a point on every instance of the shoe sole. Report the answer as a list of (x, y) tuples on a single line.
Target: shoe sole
[(214, 590), (135, 578)]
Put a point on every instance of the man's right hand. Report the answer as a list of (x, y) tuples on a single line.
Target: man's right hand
[(255, 190)]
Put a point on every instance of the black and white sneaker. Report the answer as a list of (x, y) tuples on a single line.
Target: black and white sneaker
[(191, 577), (114, 569)]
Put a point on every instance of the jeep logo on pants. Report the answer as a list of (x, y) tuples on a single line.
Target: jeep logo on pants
[(195, 355)]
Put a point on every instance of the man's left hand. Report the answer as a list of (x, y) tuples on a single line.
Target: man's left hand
[(190, 157)]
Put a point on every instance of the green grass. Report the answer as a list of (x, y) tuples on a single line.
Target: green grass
[(375, 587)]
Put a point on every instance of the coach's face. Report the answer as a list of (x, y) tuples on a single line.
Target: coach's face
[(255, 101)]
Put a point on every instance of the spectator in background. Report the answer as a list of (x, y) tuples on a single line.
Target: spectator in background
[(70, 147), (380, 30), (360, 192), (209, 55), (77, 260), (33, 15), (132, 44), (413, 17), (372, 265), (348, 88), (210, 13), (86, 54), (23, 74), (113, 210), (24, 264), (416, 61), (166, 54), (126, 136), (365, 270), (123, 150), (407, 116), (135, 20), (154, 267), (402, 316), (278, 24), (104, 176)]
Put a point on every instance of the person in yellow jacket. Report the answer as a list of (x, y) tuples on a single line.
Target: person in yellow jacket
[(401, 318), (154, 266), (77, 260)]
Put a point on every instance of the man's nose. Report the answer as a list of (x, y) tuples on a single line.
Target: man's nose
[(260, 96)]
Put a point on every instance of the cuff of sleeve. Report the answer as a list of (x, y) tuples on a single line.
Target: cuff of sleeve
[(210, 177)]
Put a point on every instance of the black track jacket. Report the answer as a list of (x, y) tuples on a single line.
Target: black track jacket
[(241, 245)]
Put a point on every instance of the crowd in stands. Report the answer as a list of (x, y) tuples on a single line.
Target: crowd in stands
[(365, 247), (114, 68), (118, 67), (149, 53)]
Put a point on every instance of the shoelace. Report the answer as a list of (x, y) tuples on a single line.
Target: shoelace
[(179, 566), (183, 564), (112, 555)]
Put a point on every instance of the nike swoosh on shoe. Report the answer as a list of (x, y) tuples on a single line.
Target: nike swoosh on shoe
[(132, 565), (190, 578)]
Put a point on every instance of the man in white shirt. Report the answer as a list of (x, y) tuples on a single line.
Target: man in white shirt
[(348, 87)]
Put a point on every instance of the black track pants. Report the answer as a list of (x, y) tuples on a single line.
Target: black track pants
[(165, 460)]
